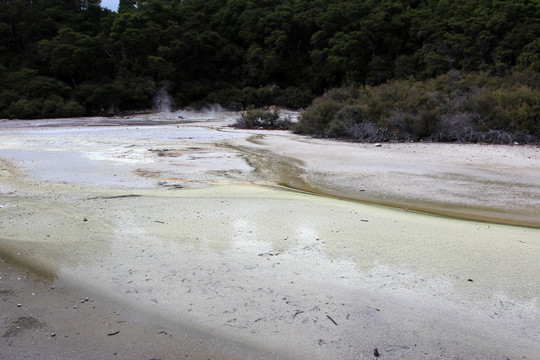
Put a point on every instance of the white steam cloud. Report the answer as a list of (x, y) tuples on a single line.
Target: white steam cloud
[(163, 102)]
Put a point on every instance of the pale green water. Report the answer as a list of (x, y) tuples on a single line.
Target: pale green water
[(241, 261)]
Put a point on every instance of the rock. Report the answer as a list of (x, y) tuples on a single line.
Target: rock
[(378, 144), (376, 352)]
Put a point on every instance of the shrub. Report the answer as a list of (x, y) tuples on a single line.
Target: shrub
[(262, 119), (294, 98), (71, 109), (315, 119), (230, 98), (25, 109), (52, 106), (235, 99), (345, 119), (473, 107)]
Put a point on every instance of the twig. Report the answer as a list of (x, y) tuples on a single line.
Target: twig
[(113, 197), (328, 316)]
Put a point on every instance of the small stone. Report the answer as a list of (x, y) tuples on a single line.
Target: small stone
[(376, 352), (84, 219), (470, 280), (19, 305), (378, 144), (53, 334)]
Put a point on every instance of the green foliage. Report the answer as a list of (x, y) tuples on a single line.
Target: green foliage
[(316, 118), (262, 119), (294, 98), (24, 108), (451, 107), (28, 95), (237, 99), (243, 53)]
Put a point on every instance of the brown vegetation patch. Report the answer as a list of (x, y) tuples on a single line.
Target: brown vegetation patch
[(6, 294), (147, 173), (21, 324)]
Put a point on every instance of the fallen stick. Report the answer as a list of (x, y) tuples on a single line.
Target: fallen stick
[(113, 197), (328, 316)]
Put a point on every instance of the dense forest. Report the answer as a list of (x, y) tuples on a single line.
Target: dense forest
[(72, 57)]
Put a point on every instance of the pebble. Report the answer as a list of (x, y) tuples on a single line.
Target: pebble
[(19, 305)]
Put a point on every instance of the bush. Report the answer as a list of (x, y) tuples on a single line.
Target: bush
[(25, 109), (262, 119), (230, 98), (52, 106), (71, 109), (474, 107), (235, 99), (345, 119), (315, 119), (294, 98)]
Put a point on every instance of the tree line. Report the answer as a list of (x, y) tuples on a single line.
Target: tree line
[(72, 57)]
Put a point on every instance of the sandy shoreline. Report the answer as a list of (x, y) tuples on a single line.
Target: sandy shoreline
[(163, 225), (60, 321), (478, 182)]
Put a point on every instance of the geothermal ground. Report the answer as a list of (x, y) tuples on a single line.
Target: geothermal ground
[(169, 236)]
